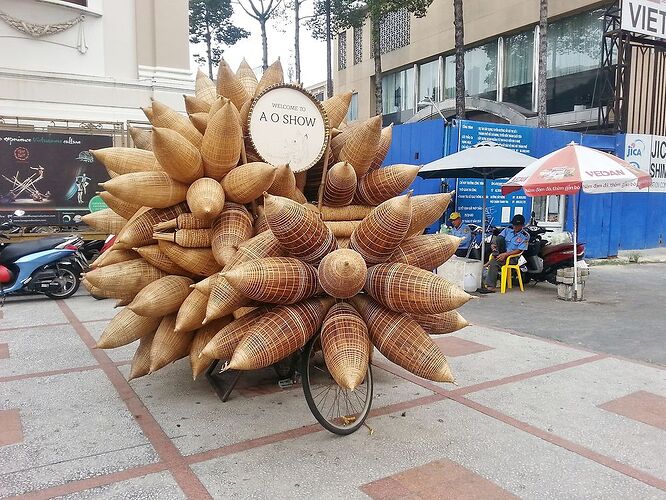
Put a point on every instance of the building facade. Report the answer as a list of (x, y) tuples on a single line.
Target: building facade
[(501, 62)]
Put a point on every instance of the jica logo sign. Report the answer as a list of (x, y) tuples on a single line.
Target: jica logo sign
[(637, 151)]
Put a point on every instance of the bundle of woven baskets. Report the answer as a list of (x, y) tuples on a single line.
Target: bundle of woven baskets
[(220, 255)]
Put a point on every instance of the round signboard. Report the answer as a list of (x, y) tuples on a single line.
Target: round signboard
[(288, 125), (96, 204)]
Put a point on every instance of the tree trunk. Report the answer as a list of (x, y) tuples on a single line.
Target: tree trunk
[(208, 48), (376, 21), (542, 93), (297, 39), (329, 52), (458, 24), (264, 44)]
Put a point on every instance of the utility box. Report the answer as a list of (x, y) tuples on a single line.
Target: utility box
[(466, 273), (565, 283)]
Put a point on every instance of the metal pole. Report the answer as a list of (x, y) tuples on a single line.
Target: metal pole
[(483, 224), (575, 248)]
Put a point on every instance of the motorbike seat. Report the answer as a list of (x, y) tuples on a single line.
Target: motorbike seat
[(15, 251), (548, 249)]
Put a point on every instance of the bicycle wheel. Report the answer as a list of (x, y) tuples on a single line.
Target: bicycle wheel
[(338, 410)]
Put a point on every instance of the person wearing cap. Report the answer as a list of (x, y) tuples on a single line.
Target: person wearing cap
[(461, 231), (512, 240)]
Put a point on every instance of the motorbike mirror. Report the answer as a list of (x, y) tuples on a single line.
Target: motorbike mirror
[(19, 212)]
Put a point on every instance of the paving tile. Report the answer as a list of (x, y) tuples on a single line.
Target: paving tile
[(641, 406), (86, 308), (386, 489), (23, 311), (158, 486), (4, 351), (11, 429), (455, 346)]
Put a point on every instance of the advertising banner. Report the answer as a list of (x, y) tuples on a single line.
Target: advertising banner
[(648, 153), (647, 17), (52, 177)]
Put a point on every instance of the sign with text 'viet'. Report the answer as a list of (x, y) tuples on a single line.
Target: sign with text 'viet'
[(647, 17)]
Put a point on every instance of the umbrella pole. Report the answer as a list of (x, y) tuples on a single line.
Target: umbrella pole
[(575, 247), (483, 225)]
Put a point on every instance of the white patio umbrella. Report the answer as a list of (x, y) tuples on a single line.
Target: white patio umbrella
[(572, 169), (485, 160)]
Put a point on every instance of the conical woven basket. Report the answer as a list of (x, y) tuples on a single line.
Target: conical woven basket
[(300, 231), (192, 312), (230, 86), (390, 332), (346, 345), (205, 284), (258, 247), (204, 88), (383, 148), (138, 231), (200, 121), (409, 289), (244, 117), (297, 196), (224, 299), (168, 345), (156, 257), (222, 142), (343, 229), (124, 278), (177, 156), (385, 183), (141, 138), (276, 280), (122, 208), (362, 144), (114, 256), (183, 221), (164, 116), (127, 160), (284, 183), (342, 273), (141, 360), (336, 108), (205, 197), (125, 328), (343, 242), (201, 338), (154, 189), (161, 297), (247, 182), (223, 344), (278, 333), (350, 212), (219, 103), (247, 77), (447, 322), (105, 221), (260, 223), (340, 185), (198, 261), (195, 105), (187, 238), (231, 229), (243, 311), (273, 75), (427, 209), (381, 232), (148, 111), (427, 251)]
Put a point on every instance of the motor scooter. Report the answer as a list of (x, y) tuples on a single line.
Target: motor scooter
[(51, 265)]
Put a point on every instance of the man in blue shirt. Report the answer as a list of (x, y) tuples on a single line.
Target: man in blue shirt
[(511, 241), (461, 231)]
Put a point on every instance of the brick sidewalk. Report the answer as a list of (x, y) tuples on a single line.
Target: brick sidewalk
[(530, 418)]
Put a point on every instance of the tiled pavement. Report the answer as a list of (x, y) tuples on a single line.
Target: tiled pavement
[(528, 418)]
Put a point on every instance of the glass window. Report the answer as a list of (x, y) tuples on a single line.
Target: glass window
[(408, 85), (398, 91), (481, 71), (548, 210), (519, 69), (352, 113), (83, 3), (450, 77), (429, 81)]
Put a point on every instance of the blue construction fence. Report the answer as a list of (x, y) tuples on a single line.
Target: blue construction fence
[(607, 223)]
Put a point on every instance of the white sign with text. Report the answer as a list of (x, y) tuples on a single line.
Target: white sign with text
[(648, 153), (647, 17)]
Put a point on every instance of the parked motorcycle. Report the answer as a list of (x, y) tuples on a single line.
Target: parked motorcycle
[(51, 265)]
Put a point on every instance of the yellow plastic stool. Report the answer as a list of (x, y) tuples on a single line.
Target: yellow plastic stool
[(507, 277)]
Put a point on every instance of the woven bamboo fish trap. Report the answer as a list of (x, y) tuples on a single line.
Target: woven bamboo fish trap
[(243, 311), (200, 121), (278, 333), (197, 261), (141, 138), (384, 145), (223, 344), (114, 256), (276, 280), (247, 77), (191, 312), (138, 231), (343, 242), (272, 76), (124, 278), (92, 290), (340, 185), (230, 229), (408, 289), (427, 209), (222, 143), (183, 221), (164, 116), (381, 232), (346, 345), (127, 160), (205, 197), (194, 104), (105, 221), (385, 183), (177, 156), (448, 322), (390, 332), (342, 273), (156, 257), (260, 223), (298, 197), (258, 247), (148, 111), (224, 299), (141, 360), (247, 182), (161, 297), (336, 108), (362, 144), (168, 345), (201, 338), (154, 189), (301, 179), (427, 251), (342, 229), (284, 183), (350, 212), (122, 302), (204, 88), (219, 103), (187, 238), (244, 117), (300, 231), (125, 328), (230, 86), (204, 285), (122, 208)]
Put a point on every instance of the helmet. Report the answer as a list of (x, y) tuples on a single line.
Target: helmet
[(518, 219), (454, 216)]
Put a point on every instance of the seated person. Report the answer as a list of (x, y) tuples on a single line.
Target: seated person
[(511, 241), (461, 231)]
